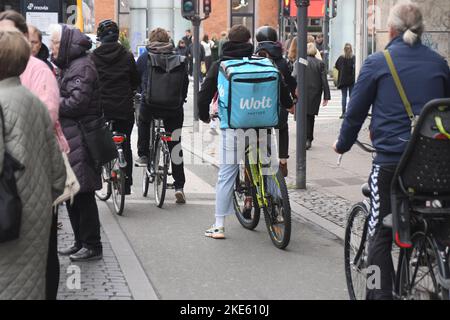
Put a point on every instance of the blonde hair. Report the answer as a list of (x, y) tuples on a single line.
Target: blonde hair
[(15, 52), (348, 51), (311, 49), (407, 18)]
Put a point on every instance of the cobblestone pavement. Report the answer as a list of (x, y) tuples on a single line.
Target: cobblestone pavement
[(100, 280)]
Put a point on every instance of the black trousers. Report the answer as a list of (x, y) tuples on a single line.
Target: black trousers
[(380, 237), (83, 214), (52, 271), (283, 142), (126, 127), (170, 124), (310, 120)]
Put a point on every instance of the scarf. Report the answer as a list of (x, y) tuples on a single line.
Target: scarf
[(160, 47)]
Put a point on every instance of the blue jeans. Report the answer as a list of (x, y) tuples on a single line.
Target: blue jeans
[(344, 91)]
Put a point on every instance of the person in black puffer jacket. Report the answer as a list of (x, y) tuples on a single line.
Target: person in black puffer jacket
[(79, 103), (119, 79), (269, 47)]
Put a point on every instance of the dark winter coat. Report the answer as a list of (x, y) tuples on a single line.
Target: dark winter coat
[(317, 83), (346, 68), (424, 74), (118, 78), (79, 102), (275, 52), (231, 50)]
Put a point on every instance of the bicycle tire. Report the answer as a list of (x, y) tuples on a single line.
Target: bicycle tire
[(118, 191), (161, 172), (409, 270), (359, 250), (239, 193), (281, 201), (104, 196)]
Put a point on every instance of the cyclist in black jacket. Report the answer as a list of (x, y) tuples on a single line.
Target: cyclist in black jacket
[(269, 47)]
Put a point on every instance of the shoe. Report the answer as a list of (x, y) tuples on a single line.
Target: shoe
[(248, 206), (127, 190), (141, 161), (284, 169), (308, 144), (215, 232), (179, 195), (87, 255), (69, 251)]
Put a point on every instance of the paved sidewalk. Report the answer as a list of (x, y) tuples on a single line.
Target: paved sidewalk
[(100, 280)]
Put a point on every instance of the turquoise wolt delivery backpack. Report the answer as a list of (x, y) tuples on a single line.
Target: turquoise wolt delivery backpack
[(248, 93)]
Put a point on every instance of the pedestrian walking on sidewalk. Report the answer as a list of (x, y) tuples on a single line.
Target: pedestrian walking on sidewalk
[(317, 84), (345, 64), (79, 107), (269, 47), (425, 76), (118, 78), (26, 134)]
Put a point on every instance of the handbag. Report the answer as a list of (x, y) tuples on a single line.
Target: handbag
[(72, 186), (10, 203), (99, 141)]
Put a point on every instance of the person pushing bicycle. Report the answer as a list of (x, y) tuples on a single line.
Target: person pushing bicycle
[(423, 75), (237, 48)]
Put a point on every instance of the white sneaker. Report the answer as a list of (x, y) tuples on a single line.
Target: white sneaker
[(215, 232), (179, 195)]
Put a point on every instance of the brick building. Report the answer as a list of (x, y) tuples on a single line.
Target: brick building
[(251, 13)]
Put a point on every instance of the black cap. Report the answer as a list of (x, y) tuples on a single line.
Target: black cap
[(266, 33)]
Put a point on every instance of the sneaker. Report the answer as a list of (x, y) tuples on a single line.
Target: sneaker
[(308, 144), (141, 162), (215, 232), (179, 195)]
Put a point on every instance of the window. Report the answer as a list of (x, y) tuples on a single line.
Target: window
[(243, 12)]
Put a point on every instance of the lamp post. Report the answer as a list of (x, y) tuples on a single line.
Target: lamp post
[(301, 112)]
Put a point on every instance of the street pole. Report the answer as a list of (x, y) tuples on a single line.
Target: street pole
[(301, 63), (326, 36), (196, 61)]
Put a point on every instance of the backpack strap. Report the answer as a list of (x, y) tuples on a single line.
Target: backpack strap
[(399, 86)]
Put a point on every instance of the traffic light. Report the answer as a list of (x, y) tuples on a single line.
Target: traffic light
[(333, 9), (188, 8), (286, 8), (206, 7)]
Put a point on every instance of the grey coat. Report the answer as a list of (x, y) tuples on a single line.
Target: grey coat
[(29, 139)]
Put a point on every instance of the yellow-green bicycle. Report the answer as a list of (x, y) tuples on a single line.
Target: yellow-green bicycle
[(259, 186)]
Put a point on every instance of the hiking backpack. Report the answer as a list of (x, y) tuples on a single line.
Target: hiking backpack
[(248, 93)]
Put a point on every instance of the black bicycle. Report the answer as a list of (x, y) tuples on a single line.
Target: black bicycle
[(422, 268), (157, 169), (114, 175)]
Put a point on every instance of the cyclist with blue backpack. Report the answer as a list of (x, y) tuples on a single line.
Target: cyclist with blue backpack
[(250, 93)]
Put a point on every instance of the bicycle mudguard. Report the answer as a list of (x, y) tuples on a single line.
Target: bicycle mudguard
[(401, 228)]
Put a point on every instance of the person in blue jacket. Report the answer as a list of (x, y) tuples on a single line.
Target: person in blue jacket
[(425, 75)]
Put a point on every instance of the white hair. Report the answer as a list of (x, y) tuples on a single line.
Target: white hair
[(55, 30), (406, 18), (311, 49)]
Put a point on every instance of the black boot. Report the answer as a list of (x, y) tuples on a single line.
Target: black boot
[(86, 254)]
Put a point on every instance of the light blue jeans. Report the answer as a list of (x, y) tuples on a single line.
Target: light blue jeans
[(228, 170)]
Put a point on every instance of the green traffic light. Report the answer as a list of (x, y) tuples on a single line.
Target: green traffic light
[(188, 6)]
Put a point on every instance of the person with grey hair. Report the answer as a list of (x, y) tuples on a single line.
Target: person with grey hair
[(425, 76)]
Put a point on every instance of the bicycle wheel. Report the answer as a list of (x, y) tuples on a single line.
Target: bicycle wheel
[(161, 167), (105, 192), (145, 181), (118, 177), (419, 271), (278, 212), (355, 253), (249, 218)]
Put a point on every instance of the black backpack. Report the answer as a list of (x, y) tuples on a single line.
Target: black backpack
[(10, 203), (166, 77)]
